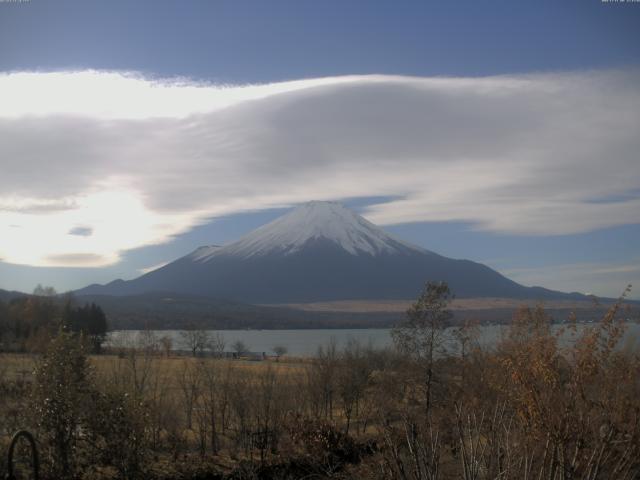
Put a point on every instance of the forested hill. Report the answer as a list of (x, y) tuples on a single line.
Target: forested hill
[(28, 322), (6, 295)]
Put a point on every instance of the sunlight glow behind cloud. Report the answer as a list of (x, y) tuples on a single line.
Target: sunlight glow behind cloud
[(129, 161), (116, 221)]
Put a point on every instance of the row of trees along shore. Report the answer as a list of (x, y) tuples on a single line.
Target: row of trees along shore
[(28, 323), (530, 407)]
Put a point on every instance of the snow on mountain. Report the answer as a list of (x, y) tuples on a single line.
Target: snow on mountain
[(311, 222), (203, 252)]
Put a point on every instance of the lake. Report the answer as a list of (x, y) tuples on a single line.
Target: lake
[(306, 342)]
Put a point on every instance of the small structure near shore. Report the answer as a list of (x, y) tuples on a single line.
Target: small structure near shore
[(252, 356)]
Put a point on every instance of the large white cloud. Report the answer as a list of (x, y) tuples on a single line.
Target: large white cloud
[(95, 163)]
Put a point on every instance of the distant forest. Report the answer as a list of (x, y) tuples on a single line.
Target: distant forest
[(162, 311)]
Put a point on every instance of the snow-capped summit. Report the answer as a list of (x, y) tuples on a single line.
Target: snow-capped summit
[(311, 223)]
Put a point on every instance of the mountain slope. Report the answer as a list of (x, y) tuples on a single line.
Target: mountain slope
[(6, 295), (319, 251)]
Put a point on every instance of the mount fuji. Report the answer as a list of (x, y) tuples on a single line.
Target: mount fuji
[(319, 251)]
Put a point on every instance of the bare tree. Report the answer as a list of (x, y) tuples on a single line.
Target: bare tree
[(217, 344), (420, 336), (353, 374), (210, 402), (147, 342), (133, 368), (240, 347), (188, 380), (279, 350), (196, 340), (321, 380), (240, 408), (160, 405), (267, 412), (166, 343)]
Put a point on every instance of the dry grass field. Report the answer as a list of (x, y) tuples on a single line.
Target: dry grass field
[(21, 366), (396, 306)]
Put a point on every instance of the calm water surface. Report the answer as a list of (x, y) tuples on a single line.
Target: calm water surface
[(306, 342)]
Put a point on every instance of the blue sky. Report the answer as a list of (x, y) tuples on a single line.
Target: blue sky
[(258, 41), (584, 54)]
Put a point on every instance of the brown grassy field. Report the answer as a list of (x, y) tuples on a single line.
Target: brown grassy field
[(394, 306), (21, 366)]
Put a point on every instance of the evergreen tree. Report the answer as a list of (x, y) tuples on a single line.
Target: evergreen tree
[(62, 389)]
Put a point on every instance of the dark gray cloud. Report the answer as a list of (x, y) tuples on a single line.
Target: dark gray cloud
[(76, 259), (81, 231)]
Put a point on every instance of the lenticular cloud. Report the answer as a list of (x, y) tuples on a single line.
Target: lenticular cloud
[(132, 161)]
